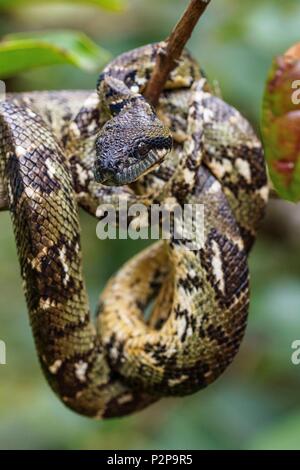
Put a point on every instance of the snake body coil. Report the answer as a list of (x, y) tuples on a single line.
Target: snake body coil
[(53, 147)]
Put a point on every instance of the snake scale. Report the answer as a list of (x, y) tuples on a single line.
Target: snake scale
[(68, 148)]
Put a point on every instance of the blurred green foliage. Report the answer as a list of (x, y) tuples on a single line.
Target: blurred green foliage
[(26, 51), (113, 5), (255, 404)]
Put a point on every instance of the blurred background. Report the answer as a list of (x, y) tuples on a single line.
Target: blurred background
[(255, 404)]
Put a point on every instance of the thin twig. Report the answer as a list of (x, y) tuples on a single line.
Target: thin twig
[(172, 47)]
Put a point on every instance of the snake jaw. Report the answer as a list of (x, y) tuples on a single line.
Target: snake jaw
[(126, 175)]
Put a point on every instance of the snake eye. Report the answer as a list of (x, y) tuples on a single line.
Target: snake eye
[(143, 149)]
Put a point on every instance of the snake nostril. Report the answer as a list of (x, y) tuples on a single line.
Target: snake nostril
[(103, 173)]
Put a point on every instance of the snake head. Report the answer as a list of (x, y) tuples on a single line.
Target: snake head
[(132, 143)]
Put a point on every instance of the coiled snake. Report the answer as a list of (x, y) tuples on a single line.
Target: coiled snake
[(56, 150)]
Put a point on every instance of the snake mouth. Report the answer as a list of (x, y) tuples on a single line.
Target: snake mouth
[(134, 171)]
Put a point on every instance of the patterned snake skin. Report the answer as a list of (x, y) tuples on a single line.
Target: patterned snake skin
[(69, 148)]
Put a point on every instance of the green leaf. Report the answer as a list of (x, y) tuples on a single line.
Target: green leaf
[(112, 5), (281, 124), (24, 51)]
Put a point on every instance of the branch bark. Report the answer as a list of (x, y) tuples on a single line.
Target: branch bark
[(172, 47)]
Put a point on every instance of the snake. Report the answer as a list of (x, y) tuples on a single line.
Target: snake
[(61, 150)]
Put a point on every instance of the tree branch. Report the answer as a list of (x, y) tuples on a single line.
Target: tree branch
[(172, 47)]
